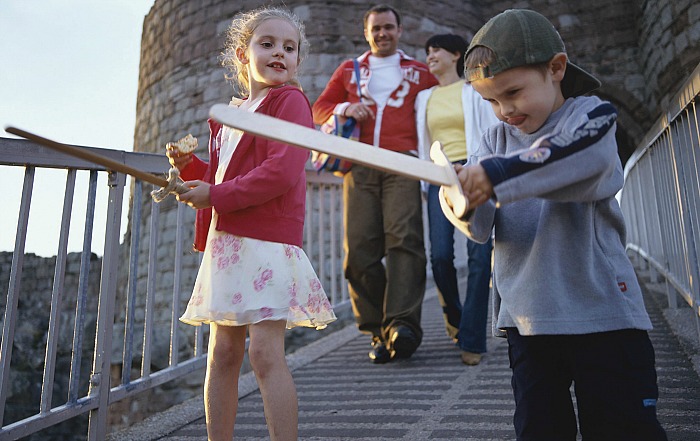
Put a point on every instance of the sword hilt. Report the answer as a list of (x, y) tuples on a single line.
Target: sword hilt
[(174, 186), (454, 193)]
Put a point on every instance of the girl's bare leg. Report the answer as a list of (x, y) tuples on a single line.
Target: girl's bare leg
[(225, 357), (266, 354)]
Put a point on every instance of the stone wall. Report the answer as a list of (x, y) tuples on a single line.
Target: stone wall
[(34, 308), (181, 77), (33, 312), (641, 51), (669, 48)]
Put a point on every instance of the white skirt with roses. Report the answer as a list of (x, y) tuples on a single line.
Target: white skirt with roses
[(243, 281)]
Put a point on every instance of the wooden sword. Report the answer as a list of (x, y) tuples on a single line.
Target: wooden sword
[(170, 185), (439, 172)]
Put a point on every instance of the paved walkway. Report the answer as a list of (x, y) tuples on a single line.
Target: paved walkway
[(431, 396)]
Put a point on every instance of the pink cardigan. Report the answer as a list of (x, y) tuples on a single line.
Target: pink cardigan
[(263, 194)]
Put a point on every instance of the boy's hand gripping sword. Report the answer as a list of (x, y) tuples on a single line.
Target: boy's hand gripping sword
[(439, 172)]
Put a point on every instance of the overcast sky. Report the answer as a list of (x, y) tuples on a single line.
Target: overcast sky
[(69, 72)]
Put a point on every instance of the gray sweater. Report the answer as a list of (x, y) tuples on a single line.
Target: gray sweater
[(560, 262)]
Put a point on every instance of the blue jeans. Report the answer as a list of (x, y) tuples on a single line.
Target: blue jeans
[(469, 319)]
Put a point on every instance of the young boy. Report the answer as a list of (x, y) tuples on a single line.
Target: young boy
[(566, 295)]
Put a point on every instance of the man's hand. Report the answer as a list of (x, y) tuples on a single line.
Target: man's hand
[(198, 197), (358, 111), (476, 184)]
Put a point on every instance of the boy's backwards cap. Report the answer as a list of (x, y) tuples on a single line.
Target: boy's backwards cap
[(519, 37)]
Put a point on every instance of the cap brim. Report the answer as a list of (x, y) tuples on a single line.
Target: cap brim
[(577, 81)]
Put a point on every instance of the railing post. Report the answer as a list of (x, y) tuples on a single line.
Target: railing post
[(177, 274), (689, 136), (57, 297), (100, 377), (81, 301), (8, 326), (127, 354), (150, 290)]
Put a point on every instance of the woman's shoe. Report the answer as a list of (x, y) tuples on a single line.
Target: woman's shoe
[(470, 358)]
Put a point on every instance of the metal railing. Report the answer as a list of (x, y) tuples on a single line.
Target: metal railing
[(323, 244), (661, 198)]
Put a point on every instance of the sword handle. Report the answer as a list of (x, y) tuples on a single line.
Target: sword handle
[(173, 186), (180, 188), (454, 193)]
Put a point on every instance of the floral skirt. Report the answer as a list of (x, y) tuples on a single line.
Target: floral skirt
[(242, 281)]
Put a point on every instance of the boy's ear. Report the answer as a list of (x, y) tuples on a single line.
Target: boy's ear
[(242, 57), (557, 66)]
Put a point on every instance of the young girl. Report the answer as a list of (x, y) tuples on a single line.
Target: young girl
[(250, 197)]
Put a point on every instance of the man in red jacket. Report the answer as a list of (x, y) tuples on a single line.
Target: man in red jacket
[(383, 212)]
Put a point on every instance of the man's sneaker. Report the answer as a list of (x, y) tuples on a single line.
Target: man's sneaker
[(403, 342), (379, 353)]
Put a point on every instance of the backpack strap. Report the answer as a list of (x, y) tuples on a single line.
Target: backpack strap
[(357, 76)]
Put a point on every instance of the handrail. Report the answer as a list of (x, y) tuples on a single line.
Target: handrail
[(661, 198), (129, 273)]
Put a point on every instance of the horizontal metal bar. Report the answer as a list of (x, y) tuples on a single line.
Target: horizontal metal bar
[(22, 152), (38, 422), (157, 378)]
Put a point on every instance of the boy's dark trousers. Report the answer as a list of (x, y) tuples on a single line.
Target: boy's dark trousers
[(614, 381)]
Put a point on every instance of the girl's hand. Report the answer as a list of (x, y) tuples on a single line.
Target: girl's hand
[(177, 159), (198, 196), (476, 184)]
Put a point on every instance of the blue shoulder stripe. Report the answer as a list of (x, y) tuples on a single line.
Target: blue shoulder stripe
[(552, 147)]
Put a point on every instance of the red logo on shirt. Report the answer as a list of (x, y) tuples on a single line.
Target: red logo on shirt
[(623, 286)]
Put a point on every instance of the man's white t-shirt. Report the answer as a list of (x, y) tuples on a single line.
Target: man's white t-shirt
[(386, 77)]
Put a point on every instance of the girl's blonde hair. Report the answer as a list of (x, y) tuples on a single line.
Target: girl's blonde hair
[(239, 34)]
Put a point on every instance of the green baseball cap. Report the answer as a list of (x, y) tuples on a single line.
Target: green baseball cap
[(519, 37)]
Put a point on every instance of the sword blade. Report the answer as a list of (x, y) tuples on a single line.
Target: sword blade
[(307, 138), (108, 163)]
